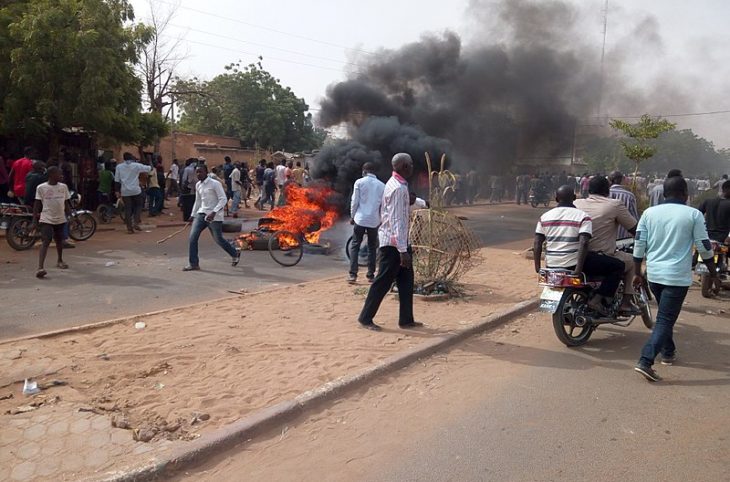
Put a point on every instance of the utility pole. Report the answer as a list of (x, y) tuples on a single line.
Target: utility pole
[(603, 56)]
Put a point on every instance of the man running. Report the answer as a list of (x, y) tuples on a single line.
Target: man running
[(664, 237)]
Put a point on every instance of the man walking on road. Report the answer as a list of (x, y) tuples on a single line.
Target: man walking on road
[(210, 199), (126, 177), (50, 209), (665, 236), (367, 196), (236, 189), (395, 254), (618, 191)]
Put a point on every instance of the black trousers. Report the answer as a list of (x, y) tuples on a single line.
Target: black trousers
[(598, 264), (357, 234), (187, 201), (390, 271)]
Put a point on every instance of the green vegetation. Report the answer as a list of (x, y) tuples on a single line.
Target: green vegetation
[(639, 147)]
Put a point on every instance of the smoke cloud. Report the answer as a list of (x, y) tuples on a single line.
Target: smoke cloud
[(514, 92)]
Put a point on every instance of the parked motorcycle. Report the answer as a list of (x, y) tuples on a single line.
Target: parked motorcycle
[(537, 197), (721, 260), (566, 296), (21, 235)]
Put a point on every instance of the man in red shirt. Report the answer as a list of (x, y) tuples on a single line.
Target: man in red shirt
[(21, 168)]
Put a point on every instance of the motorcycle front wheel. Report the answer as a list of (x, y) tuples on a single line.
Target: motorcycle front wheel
[(708, 291), (567, 323), (20, 233), (81, 226)]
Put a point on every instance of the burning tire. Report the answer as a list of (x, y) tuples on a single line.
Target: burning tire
[(286, 248)]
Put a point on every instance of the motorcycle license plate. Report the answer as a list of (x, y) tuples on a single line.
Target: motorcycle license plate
[(550, 299)]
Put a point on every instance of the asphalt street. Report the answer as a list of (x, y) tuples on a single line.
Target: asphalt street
[(516, 405), (114, 274)]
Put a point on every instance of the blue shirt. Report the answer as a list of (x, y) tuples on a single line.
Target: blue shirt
[(127, 174), (665, 236), (367, 197)]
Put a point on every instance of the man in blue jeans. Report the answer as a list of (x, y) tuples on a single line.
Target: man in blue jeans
[(210, 199), (665, 236)]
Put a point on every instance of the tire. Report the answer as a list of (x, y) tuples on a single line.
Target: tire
[(360, 262), (642, 298), (286, 254), (18, 233), (231, 226), (706, 284), (81, 226), (564, 319)]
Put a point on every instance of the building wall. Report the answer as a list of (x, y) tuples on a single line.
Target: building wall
[(182, 145)]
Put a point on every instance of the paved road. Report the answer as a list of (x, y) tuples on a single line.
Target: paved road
[(147, 277), (517, 405)]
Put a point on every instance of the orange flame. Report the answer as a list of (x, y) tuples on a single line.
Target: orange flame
[(309, 211)]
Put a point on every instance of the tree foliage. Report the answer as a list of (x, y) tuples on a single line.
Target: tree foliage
[(248, 103), (67, 63), (640, 148)]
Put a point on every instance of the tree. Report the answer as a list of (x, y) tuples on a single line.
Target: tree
[(248, 103), (640, 148), (70, 64), (150, 128)]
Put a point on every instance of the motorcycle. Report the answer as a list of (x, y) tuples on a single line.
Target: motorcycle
[(721, 260), (566, 296), (537, 197), (21, 234)]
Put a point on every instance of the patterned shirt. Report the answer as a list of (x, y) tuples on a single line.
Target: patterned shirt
[(395, 214), (627, 197), (562, 227)]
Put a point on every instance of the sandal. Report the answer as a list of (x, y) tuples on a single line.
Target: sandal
[(62, 265), (41, 273)]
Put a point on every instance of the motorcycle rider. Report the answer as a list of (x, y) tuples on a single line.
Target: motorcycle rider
[(717, 214), (607, 215), (568, 231)]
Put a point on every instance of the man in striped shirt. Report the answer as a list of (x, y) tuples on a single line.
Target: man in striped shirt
[(394, 252), (567, 231), (618, 191)]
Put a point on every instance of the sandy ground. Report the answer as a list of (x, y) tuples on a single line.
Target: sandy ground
[(515, 404), (228, 358)]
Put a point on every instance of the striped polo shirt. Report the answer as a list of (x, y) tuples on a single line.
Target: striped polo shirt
[(562, 227)]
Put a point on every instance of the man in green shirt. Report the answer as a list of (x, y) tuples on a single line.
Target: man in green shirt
[(106, 181)]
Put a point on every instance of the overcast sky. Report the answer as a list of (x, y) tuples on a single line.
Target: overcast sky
[(309, 45)]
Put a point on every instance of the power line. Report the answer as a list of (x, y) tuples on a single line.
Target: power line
[(267, 57), (264, 45), (688, 114), (281, 32)]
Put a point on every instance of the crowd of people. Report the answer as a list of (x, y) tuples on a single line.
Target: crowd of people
[(580, 236)]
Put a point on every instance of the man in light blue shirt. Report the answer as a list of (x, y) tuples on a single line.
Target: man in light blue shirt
[(126, 177), (665, 236), (367, 196)]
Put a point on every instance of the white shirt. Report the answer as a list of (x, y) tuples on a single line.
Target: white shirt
[(174, 172), (210, 197), (280, 175), (394, 214), (367, 196), (127, 174), (54, 199), (418, 204), (235, 180)]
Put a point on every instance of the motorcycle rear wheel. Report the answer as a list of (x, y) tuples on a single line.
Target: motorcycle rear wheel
[(708, 290), (564, 319), (81, 226), (19, 234), (643, 303)]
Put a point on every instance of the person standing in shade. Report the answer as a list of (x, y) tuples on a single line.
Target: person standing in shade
[(665, 236), (172, 177), (395, 253), (210, 200), (126, 177), (187, 188), (50, 210), (367, 196)]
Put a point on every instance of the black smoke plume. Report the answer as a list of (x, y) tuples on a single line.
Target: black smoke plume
[(514, 93)]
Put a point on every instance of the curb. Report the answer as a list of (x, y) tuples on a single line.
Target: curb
[(130, 318), (259, 422)]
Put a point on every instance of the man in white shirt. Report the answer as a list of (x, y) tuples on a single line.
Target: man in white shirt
[(367, 196), (126, 178), (281, 174), (50, 208), (236, 188), (172, 177), (416, 202), (210, 199), (395, 254)]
